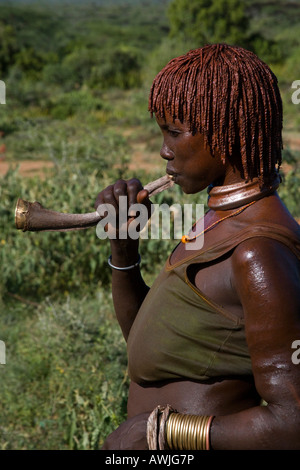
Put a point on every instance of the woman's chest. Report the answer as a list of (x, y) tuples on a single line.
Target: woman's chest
[(214, 279)]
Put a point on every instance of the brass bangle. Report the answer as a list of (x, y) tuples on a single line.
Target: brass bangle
[(197, 433), (176, 418), (201, 433), (188, 432), (208, 426), (194, 437)]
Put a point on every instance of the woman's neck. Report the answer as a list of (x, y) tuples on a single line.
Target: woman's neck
[(235, 195)]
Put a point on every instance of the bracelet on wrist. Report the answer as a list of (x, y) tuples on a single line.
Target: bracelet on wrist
[(168, 429), (124, 268), (188, 432)]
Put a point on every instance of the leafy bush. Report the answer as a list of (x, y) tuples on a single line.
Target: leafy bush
[(289, 190), (209, 21), (8, 46), (119, 67), (74, 102)]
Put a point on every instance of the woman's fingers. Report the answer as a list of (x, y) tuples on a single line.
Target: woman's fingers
[(125, 200), (106, 196), (133, 188), (120, 189), (143, 198)]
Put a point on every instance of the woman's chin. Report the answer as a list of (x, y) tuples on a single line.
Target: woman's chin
[(189, 189)]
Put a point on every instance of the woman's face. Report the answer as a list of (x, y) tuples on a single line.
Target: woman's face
[(188, 159)]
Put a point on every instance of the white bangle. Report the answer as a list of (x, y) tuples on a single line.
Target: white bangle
[(125, 268)]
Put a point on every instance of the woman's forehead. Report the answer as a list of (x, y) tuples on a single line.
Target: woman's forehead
[(168, 119)]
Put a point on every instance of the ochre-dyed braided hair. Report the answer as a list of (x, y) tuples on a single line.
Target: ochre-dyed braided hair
[(232, 97)]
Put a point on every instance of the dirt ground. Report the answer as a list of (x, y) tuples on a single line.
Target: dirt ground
[(141, 157), (26, 167)]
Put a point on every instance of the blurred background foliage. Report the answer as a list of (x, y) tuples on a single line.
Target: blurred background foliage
[(77, 80)]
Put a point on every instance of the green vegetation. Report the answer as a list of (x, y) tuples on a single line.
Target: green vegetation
[(202, 21), (77, 80)]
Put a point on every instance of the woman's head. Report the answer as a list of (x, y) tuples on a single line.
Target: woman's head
[(230, 96)]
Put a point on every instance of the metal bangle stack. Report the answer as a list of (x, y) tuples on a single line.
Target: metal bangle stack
[(188, 432)]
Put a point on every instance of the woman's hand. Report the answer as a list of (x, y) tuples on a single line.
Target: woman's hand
[(130, 435), (117, 206)]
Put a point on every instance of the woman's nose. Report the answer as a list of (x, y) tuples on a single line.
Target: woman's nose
[(166, 153)]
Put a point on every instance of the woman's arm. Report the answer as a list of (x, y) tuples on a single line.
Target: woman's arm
[(266, 278), (128, 287)]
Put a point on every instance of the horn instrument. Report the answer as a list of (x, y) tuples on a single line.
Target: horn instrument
[(32, 216)]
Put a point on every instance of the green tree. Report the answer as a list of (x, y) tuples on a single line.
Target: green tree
[(121, 68), (30, 62), (209, 21), (8, 47)]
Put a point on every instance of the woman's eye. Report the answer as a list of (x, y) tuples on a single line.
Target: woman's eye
[(173, 133)]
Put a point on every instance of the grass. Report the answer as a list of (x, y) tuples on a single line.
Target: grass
[(64, 385)]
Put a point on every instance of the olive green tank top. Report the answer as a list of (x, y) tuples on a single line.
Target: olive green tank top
[(179, 333)]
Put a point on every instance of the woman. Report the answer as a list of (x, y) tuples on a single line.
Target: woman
[(213, 336)]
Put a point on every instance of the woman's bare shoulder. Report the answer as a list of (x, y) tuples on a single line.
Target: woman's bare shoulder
[(272, 210)]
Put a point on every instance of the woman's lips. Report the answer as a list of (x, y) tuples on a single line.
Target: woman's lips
[(172, 175)]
